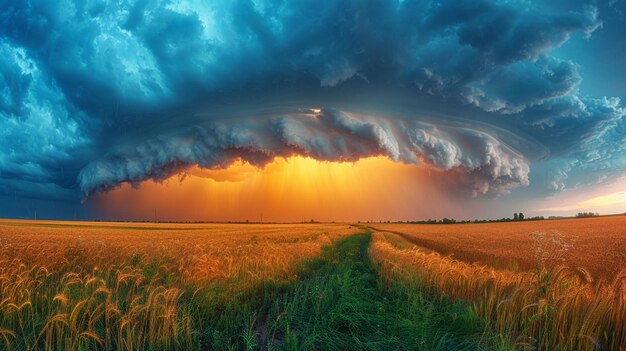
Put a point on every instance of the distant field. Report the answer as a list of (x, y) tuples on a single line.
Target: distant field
[(195, 252), (598, 244)]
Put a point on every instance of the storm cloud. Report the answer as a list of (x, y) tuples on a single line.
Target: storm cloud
[(98, 93), (491, 166)]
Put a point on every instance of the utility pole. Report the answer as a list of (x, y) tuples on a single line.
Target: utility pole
[(155, 216)]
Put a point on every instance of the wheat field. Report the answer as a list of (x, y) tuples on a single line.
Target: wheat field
[(597, 244), (89, 285), (553, 304), (551, 285)]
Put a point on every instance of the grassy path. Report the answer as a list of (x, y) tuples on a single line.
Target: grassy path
[(337, 304)]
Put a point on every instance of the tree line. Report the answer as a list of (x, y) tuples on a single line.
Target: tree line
[(587, 214)]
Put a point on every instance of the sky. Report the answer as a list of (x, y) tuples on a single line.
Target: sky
[(298, 110)]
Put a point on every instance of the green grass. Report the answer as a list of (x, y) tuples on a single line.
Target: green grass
[(337, 303)]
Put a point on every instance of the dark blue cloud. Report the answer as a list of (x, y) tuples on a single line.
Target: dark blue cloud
[(98, 93), (515, 87), (39, 130), (586, 137), (578, 125)]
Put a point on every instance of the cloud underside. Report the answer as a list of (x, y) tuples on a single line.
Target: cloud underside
[(486, 164), (97, 94)]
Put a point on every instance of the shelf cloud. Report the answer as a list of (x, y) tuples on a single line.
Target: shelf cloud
[(490, 165)]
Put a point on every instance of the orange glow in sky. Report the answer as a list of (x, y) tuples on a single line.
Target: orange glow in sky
[(604, 199), (293, 189)]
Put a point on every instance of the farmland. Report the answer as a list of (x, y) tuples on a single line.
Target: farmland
[(597, 244), (193, 252), (116, 285), (544, 284), (158, 286)]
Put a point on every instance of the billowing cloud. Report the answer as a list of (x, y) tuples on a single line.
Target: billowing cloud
[(99, 93), (38, 130), (491, 166), (523, 84)]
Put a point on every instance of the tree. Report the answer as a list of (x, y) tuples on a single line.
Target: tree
[(515, 218), (521, 216), (587, 214)]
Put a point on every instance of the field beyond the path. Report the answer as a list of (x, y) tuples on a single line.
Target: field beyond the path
[(598, 244)]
